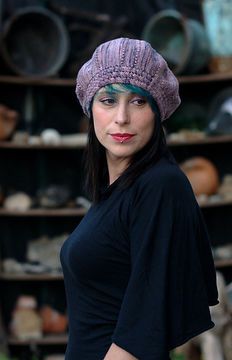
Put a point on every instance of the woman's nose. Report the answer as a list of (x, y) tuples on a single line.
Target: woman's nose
[(122, 115)]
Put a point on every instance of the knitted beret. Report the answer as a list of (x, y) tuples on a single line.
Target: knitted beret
[(128, 61)]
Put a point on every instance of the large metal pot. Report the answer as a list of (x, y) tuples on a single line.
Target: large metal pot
[(181, 41), (35, 42)]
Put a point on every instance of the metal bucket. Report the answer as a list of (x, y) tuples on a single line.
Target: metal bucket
[(181, 41), (35, 42)]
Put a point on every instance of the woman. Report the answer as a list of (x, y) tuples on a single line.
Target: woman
[(138, 269)]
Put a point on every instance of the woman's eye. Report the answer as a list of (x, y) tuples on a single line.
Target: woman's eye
[(139, 101), (107, 101)]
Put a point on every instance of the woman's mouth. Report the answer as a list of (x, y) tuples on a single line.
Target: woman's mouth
[(122, 137)]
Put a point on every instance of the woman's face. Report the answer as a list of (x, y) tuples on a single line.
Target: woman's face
[(123, 122)]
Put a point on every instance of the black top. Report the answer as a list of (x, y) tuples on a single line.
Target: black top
[(138, 269)]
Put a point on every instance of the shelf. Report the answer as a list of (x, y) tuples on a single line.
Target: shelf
[(204, 141), (40, 81), (205, 78), (81, 211), (59, 277), (223, 263), (12, 145), (31, 277), (44, 212), (215, 203), (46, 340)]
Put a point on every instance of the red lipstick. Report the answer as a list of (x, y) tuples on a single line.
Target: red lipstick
[(122, 137)]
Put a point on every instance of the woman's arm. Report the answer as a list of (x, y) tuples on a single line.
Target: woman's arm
[(117, 353)]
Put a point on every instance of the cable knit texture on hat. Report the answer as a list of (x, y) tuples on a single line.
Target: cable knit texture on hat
[(128, 61)]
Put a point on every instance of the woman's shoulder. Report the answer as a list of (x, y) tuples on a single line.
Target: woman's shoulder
[(165, 174), (164, 183)]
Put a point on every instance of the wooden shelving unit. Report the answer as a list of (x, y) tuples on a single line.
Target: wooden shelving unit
[(20, 82)]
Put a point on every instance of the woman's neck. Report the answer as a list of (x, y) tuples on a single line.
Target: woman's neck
[(116, 167)]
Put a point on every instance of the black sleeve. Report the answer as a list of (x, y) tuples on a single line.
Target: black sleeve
[(172, 280)]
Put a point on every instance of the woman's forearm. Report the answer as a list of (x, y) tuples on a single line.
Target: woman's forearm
[(117, 353)]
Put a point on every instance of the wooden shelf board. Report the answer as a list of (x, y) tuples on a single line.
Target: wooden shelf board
[(203, 141), (59, 277), (209, 204), (205, 78), (46, 340), (82, 211), (13, 145), (31, 277), (33, 80), (44, 212), (223, 263)]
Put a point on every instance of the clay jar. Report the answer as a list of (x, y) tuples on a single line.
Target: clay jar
[(202, 174), (53, 321)]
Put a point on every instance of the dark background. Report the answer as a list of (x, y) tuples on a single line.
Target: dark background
[(137, 11)]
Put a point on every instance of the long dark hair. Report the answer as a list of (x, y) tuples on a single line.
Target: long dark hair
[(96, 171)]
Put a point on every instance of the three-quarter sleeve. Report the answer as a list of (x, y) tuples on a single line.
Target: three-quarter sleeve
[(172, 280)]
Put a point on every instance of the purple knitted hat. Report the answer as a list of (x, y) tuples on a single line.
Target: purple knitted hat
[(128, 61)]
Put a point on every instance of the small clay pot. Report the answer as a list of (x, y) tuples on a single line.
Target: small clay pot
[(202, 174), (53, 321)]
